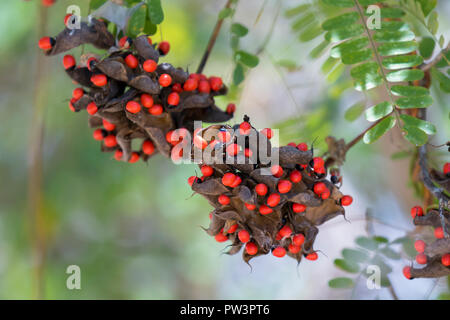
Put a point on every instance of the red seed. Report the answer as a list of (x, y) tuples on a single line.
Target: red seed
[(302, 146), (134, 157), (156, 110), (279, 252), (164, 47), (77, 93), (277, 171), (250, 206), (295, 176), (165, 80), (294, 249), (133, 107), (190, 85), (90, 63), (173, 99), (251, 248), (446, 259), (146, 100), (110, 141), (292, 144), (298, 208), (71, 107), (263, 209), (298, 239), (244, 236), (284, 186), (199, 142), (439, 233), (149, 66), (98, 134), (407, 272), (286, 231), (261, 189), (131, 61), (91, 108), (273, 200), (231, 108), (267, 132), (204, 87), (66, 18), (421, 258), (446, 168), (320, 188), (420, 246), (124, 42), (191, 180), (318, 163), (176, 87), (99, 80), (233, 149), (118, 155), (69, 61), (236, 182), (228, 179), (215, 83), (46, 43), (220, 237), (223, 200), (148, 147), (244, 128), (233, 228), (48, 3), (325, 195), (416, 211), (312, 256), (206, 170)]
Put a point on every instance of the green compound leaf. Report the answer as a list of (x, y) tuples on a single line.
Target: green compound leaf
[(405, 75), (355, 111), (341, 283), (414, 102), (346, 265), (366, 76), (239, 29), (136, 25), (379, 111), (340, 21), (354, 255), (379, 130), (246, 58), (409, 91), (401, 62), (155, 11), (397, 48)]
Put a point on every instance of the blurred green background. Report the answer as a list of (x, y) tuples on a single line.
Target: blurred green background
[(134, 230)]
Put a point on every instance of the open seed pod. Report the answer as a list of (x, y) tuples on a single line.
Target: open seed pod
[(129, 96), (264, 198)]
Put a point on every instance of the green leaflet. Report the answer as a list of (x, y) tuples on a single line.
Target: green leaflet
[(393, 36), (414, 102), (392, 13), (400, 62), (423, 125), (444, 81), (409, 91), (155, 11), (340, 21), (239, 29), (349, 46), (379, 111), (415, 135), (379, 130), (355, 111), (347, 265), (366, 243), (303, 21), (366, 76), (341, 283), (353, 57), (95, 4), (246, 58), (137, 21), (340, 3), (397, 48), (311, 32), (405, 75), (394, 25), (238, 74), (426, 47), (319, 49), (340, 34), (355, 255), (297, 10)]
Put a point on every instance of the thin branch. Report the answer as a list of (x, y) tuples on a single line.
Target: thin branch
[(212, 40), (427, 66)]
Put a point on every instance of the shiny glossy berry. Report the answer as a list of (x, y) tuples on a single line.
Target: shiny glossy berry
[(421, 258), (233, 228), (320, 188), (446, 168), (133, 107), (77, 93), (99, 134), (165, 80), (192, 179), (220, 237), (131, 61), (276, 170), (231, 108), (325, 195), (71, 107), (156, 110), (298, 239), (298, 208), (439, 233), (407, 272), (251, 249), (416, 211), (446, 259), (292, 144), (244, 236), (420, 246), (233, 149), (215, 83), (134, 157), (176, 87), (250, 206), (223, 200), (173, 99), (346, 200), (295, 176), (317, 163), (69, 61), (125, 42), (164, 48), (285, 232), (228, 179), (284, 186), (110, 141), (302, 146), (148, 147), (108, 126), (190, 85), (99, 80), (279, 252), (146, 100), (244, 128), (46, 43), (312, 256), (207, 171), (294, 249), (204, 87), (261, 189), (267, 132), (263, 209), (92, 108), (273, 200), (149, 66), (118, 155), (91, 63), (236, 182)]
